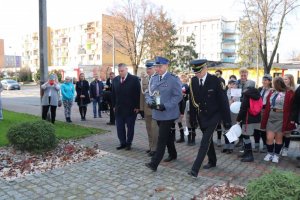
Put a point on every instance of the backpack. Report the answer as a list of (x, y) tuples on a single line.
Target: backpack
[(255, 106)]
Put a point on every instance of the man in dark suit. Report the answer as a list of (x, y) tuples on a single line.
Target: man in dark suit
[(208, 106), (107, 98), (96, 95), (218, 74), (126, 103)]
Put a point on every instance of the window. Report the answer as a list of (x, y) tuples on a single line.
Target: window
[(91, 57), (98, 57), (203, 27), (212, 27), (195, 28), (187, 29)]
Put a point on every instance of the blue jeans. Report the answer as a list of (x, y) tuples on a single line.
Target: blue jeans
[(97, 100), (125, 139)]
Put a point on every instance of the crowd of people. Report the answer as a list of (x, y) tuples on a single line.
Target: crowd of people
[(55, 95), (199, 102)]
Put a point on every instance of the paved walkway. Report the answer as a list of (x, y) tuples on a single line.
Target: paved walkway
[(122, 174)]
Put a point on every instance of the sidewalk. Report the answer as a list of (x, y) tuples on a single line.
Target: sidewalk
[(123, 172)]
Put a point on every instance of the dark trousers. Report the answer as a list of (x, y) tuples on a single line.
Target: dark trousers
[(165, 139), (129, 121), (206, 148), (171, 142), (52, 111), (97, 101), (82, 111), (111, 114)]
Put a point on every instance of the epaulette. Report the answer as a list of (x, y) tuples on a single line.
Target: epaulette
[(173, 74)]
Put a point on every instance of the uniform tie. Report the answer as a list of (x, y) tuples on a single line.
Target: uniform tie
[(123, 79), (160, 77), (201, 82), (274, 100), (263, 93)]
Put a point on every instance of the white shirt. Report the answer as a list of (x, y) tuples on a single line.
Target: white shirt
[(203, 79), (162, 76)]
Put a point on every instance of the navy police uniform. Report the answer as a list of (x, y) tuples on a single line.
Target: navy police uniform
[(208, 106), (169, 88)]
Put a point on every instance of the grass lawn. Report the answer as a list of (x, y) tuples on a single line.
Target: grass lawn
[(62, 130)]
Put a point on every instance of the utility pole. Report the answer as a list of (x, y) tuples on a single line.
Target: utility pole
[(43, 42), (114, 52)]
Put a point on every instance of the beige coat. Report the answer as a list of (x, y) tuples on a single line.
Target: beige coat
[(144, 87)]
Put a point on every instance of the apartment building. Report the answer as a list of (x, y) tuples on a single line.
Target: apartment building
[(216, 38), (30, 50), (81, 47)]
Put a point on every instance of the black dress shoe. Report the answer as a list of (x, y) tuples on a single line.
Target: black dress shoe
[(209, 165), (121, 147), (109, 123), (151, 153), (229, 151), (148, 151), (225, 150), (192, 174), (128, 148), (169, 159), (150, 166)]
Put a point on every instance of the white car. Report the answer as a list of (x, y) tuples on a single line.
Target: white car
[(10, 84)]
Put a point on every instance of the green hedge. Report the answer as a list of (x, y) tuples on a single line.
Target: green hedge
[(277, 185), (37, 136)]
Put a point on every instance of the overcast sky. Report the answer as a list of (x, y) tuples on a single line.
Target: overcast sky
[(18, 17)]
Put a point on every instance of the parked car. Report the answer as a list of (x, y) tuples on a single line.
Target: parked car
[(9, 84)]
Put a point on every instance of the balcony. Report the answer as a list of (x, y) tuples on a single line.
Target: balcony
[(228, 40), (229, 31), (90, 29), (228, 60), (228, 50)]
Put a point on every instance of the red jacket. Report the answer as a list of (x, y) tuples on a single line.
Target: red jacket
[(287, 107)]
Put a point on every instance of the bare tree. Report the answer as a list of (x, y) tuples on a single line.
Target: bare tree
[(248, 48), (129, 29), (266, 19)]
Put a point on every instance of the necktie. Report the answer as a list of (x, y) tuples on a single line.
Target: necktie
[(274, 100), (263, 94), (160, 77), (123, 79), (201, 82)]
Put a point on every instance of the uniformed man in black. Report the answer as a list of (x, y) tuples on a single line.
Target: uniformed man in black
[(208, 106)]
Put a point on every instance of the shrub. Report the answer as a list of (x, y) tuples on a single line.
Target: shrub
[(25, 74), (277, 185), (37, 136)]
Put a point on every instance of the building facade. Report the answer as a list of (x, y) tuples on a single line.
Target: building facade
[(84, 47), (30, 50), (216, 38)]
